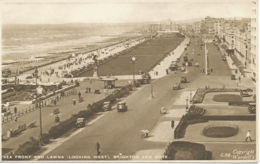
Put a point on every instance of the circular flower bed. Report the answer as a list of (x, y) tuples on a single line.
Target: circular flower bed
[(227, 98), (220, 131)]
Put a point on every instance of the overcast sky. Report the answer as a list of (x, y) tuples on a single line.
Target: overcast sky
[(114, 11)]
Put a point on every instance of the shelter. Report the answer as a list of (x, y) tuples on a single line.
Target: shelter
[(109, 82)]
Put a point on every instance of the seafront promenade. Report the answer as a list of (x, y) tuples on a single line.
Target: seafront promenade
[(54, 73)]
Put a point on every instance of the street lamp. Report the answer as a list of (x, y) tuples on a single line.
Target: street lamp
[(38, 92), (187, 105), (133, 61), (190, 96), (152, 96)]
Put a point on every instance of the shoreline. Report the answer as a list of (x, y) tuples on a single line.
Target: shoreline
[(52, 57)]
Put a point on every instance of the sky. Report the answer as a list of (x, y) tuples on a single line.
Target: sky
[(118, 11)]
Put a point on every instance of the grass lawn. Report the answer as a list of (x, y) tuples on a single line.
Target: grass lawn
[(148, 54), (227, 98)]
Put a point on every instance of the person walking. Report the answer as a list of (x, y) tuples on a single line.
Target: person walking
[(74, 101), (15, 109), (172, 124), (248, 136), (79, 94), (98, 148)]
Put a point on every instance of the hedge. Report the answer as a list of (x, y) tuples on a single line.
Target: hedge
[(183, 150), (28, 148), (63, 127), (201, 92), (194, 115)]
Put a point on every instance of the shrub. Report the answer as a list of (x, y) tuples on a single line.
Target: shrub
[(64, 126), (182, 150), (193, 116), (45, 138), (28, 148)]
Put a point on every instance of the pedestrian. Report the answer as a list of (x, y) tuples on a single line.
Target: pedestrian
[(167, 72), (79, 94), (15, 109), (74, 101), (172, 124), (55, 102), (15, 118), (98, 148), (248, 136)]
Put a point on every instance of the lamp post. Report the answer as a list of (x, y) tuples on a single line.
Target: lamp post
[(187, 105), (206, 58), (190, 96), (152, 96), (133, 61), (38, 92)]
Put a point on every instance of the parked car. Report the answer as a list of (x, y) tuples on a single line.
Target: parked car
[(233, 77), (121, 106), (107, 106), (244, 93), (184, 79), (176, 86), (252, 108), (80, 122)]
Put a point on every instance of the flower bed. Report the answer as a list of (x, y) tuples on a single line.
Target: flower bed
[(220, 131), (227, 98)]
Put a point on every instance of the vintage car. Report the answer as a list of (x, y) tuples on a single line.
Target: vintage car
[(176, 86), (80, 122), (121, 106), (184, 79), (244, 93), (233, 77), (107, 106), (173, 66), (252, 107)]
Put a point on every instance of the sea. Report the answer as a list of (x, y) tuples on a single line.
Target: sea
[(26, 41)]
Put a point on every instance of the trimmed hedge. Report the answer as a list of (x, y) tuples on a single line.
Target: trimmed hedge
[(183, 150), (201, 92), (63, 127), (28, 148), (193, 116)]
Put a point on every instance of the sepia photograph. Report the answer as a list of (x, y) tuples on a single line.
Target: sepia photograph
[(129, 81)]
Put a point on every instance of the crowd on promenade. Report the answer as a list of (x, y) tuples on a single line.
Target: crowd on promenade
[(57, 72)]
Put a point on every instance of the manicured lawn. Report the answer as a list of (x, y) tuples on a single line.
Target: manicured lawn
[(148, 54), (227, 98)]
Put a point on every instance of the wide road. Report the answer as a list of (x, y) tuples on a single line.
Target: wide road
[(120, 132)]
